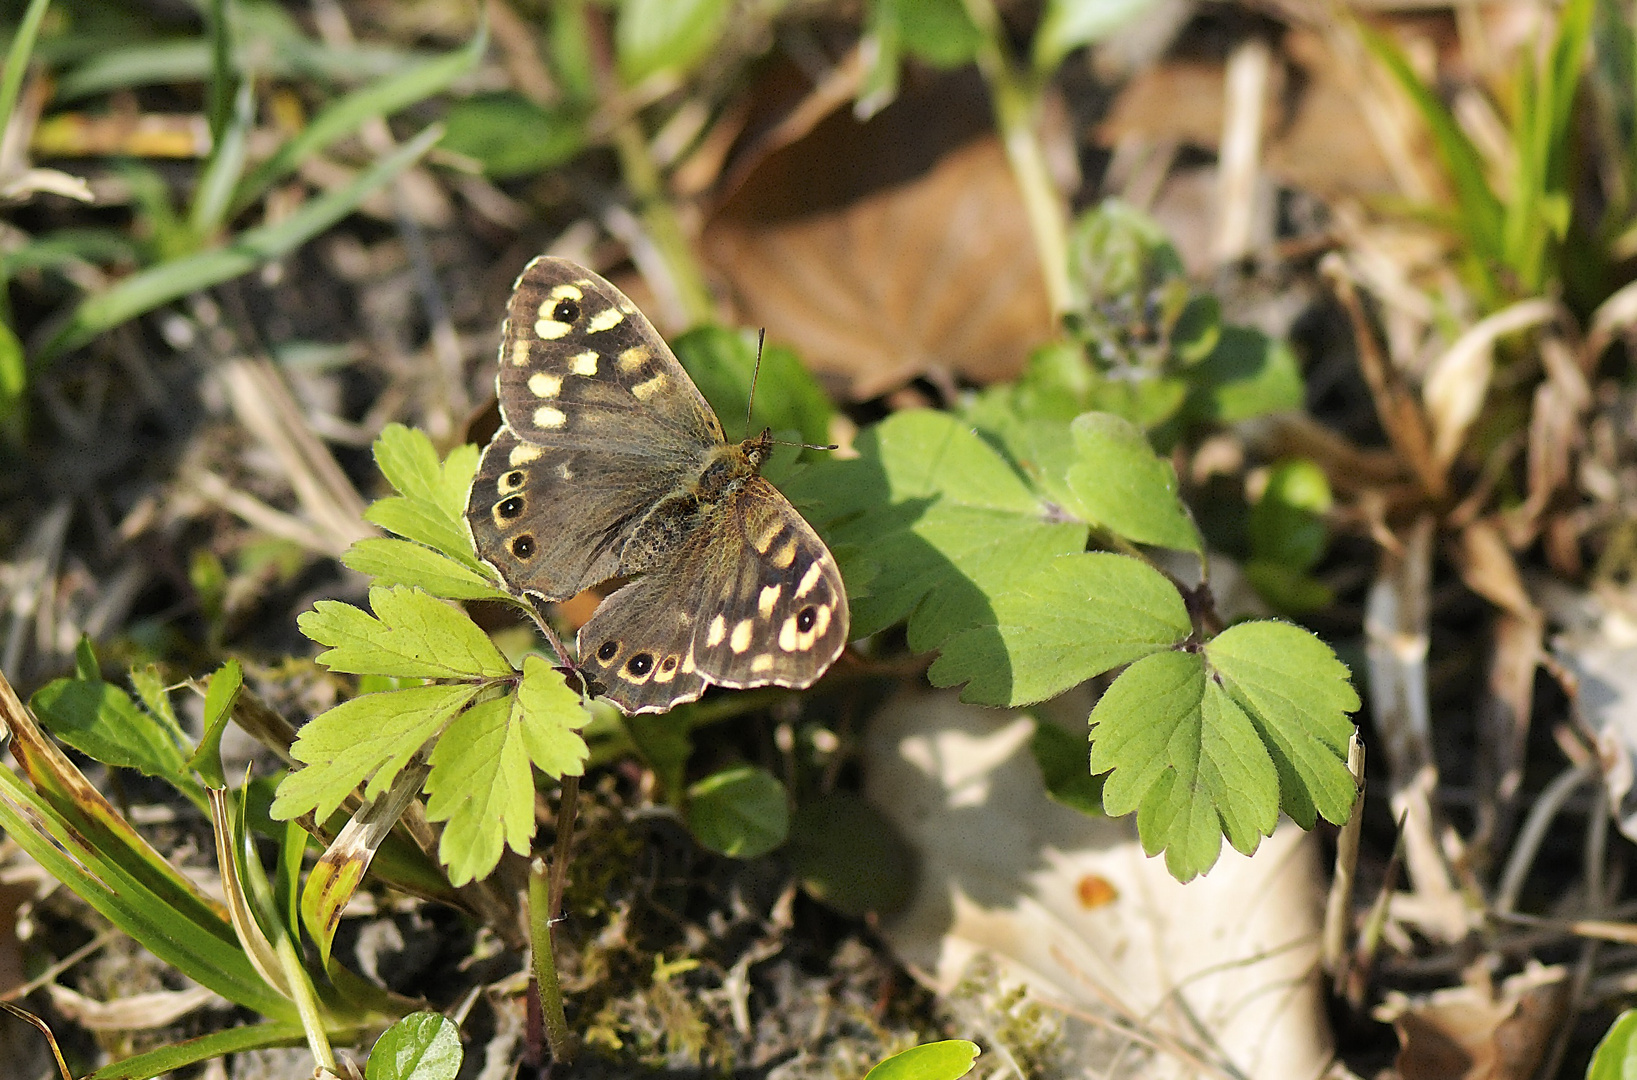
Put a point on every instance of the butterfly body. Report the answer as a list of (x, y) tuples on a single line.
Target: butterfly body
[(611, 464)]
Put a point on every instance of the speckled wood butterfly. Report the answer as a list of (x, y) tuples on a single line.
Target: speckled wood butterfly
[(609, 463)]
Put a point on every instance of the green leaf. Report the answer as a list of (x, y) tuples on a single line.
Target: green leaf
[(402, 87), (1287, 523), (1616, 1055), (1187, 759), (101, 721), (1064, 769), (511, 136), (431, 504), (742, 812), (179, 1055), (943, 516), (144, 291), (946, 1060), (666, 35), (482, 787), (848, 857), (1296, 694), (1120, 483), (400, 562), (412, 634), (937, 31), (372, 737), (421, 1046), (551, 715), (13, 371), (1060, 623), (219, 698), (1069, 24), (1247, 375)]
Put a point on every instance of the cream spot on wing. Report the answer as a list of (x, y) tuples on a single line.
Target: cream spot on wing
[(769, 597), (821, 623), (606, 319), (663, 674), (787, 635), (762, 663), (718, 630), (548, 418), (809, 579), (645, 390), (740, 641), (520, 353), (628, 307), (769, 534), (551, 329), (584, 363), (564, 472), (523, 453), (542, 385), (633, 358), (785, 555), (565, 292), (687, 662)]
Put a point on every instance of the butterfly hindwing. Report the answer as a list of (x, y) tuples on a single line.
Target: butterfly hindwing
[(753, 598)]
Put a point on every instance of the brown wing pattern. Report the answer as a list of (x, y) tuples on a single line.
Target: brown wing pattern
[(581, 367), (753, 598)]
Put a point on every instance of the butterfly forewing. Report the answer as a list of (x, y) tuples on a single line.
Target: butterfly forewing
[(611, 464), (581, 366), (754, 598)]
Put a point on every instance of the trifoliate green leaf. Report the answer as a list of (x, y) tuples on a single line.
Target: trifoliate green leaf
[(943, 516), (482, 786), (1118, 482), (430, 507), (372, 737), (399, 562), (1187, 759), (1297, 695), (412, 634), (551, 715), (1248, 374), (1060, 623)]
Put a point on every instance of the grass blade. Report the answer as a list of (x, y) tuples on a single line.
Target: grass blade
[(17, 57), (381, 98), (161, 284)]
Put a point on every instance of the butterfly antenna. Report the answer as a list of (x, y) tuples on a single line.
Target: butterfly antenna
[(755, 373)]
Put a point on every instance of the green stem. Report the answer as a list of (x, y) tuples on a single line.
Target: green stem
[(301, 992), (660, 221), (545, 903), (1017, 115)]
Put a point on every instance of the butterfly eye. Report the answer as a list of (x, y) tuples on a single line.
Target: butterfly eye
[(566, 311), (805, 618), (608, 651), (523, 547), (510, 508), (640, 664)]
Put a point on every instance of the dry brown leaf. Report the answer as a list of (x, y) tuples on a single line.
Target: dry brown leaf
[(1469, 1033), (880, 254)]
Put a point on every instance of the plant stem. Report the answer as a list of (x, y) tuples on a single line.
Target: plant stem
[(1017, 114), (545, 903)]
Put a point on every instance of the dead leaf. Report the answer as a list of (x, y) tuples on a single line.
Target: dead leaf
[(1468, 1033), (886, 250)]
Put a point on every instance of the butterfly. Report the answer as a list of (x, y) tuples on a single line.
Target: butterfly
[(609, 463)]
